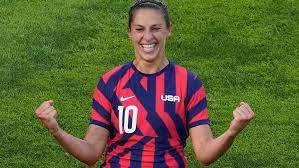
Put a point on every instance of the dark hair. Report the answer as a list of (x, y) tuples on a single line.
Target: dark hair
[(149, 4)]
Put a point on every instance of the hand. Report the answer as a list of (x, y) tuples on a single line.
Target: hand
[(47, 115), (242, 115)]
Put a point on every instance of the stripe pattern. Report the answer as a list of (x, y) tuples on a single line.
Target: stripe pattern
[(167, 103)]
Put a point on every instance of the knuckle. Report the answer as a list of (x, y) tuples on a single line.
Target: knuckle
[(238, 119), (42, 118), (245, 118), (248, 117), (236, 111), (242, 119)]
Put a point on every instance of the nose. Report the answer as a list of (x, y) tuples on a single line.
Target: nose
[(148, 36)]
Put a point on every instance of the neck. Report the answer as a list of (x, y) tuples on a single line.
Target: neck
[(150, 67)]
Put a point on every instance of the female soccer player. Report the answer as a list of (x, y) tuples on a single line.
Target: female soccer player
[(143, 111)]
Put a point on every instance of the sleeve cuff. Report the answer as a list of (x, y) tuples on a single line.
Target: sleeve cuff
[(200, 122), (98, 123)]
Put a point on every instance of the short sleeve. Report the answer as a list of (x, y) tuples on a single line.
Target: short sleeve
[(101, 106), (196, 102)]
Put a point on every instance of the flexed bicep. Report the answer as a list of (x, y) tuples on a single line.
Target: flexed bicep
[(97, 137)]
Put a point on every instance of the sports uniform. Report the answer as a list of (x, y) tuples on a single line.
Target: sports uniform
[(148, 115)]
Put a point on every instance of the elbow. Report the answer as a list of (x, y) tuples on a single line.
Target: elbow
[(90, 162), (204, 161)]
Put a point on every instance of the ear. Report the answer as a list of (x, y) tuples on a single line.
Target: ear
[(169, 30), (129, 32)]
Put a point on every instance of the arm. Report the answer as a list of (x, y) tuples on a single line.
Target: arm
[(88, 150), (206, 148)]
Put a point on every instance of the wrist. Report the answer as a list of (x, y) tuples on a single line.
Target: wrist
[(232, 133), (55, 132)]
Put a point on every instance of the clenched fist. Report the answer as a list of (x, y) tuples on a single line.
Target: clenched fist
[(47, 115), (242, 115)]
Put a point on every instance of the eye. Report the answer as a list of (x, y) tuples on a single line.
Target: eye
[(138, 29), (156, 28)]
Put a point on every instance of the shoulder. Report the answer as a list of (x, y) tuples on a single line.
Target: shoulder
[(191, 76), (194, 82), (109, 80), (116, 71)]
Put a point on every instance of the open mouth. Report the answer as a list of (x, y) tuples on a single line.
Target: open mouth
[(148, 47)]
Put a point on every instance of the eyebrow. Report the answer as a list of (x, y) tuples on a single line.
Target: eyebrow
[(151, 26)]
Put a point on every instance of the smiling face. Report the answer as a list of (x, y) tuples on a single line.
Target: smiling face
[(149, 32)]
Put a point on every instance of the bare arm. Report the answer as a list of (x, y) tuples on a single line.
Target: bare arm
[(88, 150), (209, 149)]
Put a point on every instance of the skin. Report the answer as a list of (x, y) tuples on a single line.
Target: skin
[(87, 150), (208, 149), (148, 27)]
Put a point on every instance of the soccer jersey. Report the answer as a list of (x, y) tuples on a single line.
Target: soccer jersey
[(148, 115)]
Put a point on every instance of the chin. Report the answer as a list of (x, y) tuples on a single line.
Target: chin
[(149, 58)]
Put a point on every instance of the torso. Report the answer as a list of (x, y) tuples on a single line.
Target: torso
[(147, 118)]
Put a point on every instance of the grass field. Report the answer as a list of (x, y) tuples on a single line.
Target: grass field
[(243, 50)]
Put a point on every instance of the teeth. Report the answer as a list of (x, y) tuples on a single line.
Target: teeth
[(148, 45), (148, 48)]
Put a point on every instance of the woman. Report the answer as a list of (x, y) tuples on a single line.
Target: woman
[(143, 111)]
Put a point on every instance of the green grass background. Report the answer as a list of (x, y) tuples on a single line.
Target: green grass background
[(243, 50)]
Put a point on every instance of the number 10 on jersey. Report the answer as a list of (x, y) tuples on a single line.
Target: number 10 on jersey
[(124, 114)]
